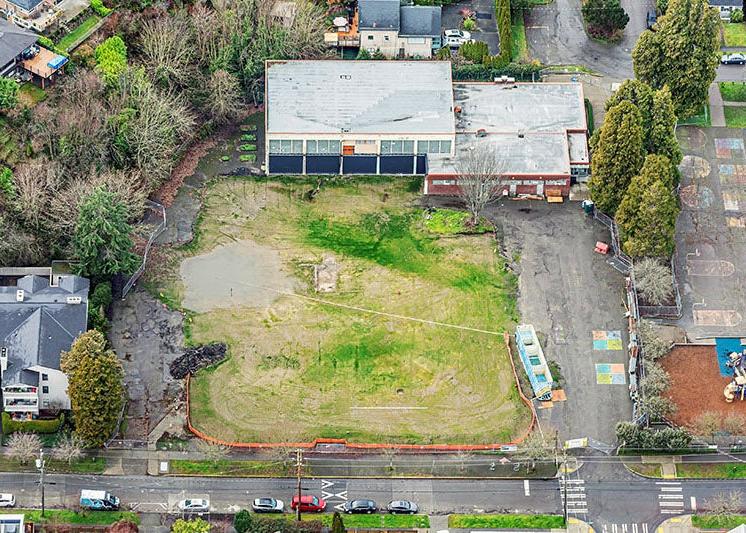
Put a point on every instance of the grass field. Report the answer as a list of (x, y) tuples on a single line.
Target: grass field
[(734, 34), (84, 466), (705, 521), (520, 44), (71, 38), (735, 117), (226, 467), (30, 95), (375, 520), (302, 368), (733, 91), (519, 521)]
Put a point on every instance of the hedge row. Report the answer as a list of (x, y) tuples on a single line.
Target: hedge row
[(32, 426), (520, 71), (502, 15)]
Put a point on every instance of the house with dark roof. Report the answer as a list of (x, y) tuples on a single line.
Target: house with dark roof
[(39, 320), (399, 31), (30, 14), (726, 7), (14, 41), (20, 56)]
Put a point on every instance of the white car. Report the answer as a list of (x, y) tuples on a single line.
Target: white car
[(733, 59), (7, 500), (267, 505), (461, 34), (195, 505)]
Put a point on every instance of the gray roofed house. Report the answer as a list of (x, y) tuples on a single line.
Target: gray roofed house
[(13, 41), (379, 14), (399, 31), (726, 7), (420, 21), (38, 322)]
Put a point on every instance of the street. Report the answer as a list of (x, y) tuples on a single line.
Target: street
[(601, 492)]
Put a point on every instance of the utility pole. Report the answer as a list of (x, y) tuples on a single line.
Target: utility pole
[(298, 473), (40, 466)]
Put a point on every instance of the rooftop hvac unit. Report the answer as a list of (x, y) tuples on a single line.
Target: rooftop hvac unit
[(74, 299), (19, 295), (504, 79)]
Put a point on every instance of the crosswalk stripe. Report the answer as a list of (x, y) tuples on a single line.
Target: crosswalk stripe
[(671, 504), (671, 489), (668, 482), (634, 528), (671, 511), (644, 528), (670, 496)]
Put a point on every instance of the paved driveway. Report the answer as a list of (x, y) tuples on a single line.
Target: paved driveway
[(556, 36), (567, 292), (485, 9), (711, 232)]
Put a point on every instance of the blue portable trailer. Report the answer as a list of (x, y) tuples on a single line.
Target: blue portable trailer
[(534, 361)]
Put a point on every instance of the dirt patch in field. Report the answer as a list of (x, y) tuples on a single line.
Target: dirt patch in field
[(696, 384), (242, 274)]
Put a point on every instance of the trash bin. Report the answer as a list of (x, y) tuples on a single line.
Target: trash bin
[(587, 206)]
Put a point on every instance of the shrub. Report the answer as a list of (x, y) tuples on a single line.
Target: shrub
[(99, 8), (474, 51), (46, 42), (7, 187), (494, 67), (248, 137), (736, 16), (250, 158), (470, 24), (504, 28), (225, 158), (654, 281), (248, 127), (242, 521), (111, 58), (363, 54), (247, 148), (32, 426)]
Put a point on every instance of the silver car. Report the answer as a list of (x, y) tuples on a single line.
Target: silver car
[(267, 505), (194, 505)]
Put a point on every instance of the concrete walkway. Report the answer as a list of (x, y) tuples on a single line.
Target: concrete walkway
[(735, 104), (679, 524), (717, 113)]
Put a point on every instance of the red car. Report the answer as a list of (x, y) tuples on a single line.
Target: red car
[(308, 504)]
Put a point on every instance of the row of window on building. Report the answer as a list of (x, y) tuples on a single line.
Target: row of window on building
[(295, 146)]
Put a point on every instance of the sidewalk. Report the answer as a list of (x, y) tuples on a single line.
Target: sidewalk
[(678, 524), (717, 113)]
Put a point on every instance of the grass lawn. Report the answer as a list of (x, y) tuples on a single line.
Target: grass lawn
[(323, 370), (30, 95), (403, 521), (71, 38), (645, 469), (735, 117), (712, 470), (452, 222), (733, 91), (64, 516), (702, 120), (84, 466), (225, 467), (519, 521), (734, 34), (705, 521), (520, 45)]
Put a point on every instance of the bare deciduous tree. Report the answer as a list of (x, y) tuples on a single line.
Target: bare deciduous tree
[(734, 424), (534, 448), (168, 49), (480, 179), (725, 503), (224, 95), (23, 446), (69, 448), (656, 407), (706, 424), (653, 280), (656, 379), (653, 346)]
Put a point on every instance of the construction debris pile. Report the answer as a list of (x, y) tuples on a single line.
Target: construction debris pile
[(197, 358)]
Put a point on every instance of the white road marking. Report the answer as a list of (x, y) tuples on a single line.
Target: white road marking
[(624, 528), (634, 528), (644, 528), (613, 528), (671, 489), (670, 496), (693, 502), (526, 489), (671, 504)]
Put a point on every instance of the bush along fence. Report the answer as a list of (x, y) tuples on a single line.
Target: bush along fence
[(665, 311), (371, 446)]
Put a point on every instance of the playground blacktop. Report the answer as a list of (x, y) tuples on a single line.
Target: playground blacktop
[(711, 233)]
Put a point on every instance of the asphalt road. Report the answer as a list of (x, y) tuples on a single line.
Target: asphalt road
[(602, 493), (731, 73)]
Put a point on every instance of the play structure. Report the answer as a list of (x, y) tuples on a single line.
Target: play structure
[(737, 387), (534, 362)]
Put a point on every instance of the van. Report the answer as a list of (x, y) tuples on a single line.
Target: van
[(98, 500), (7, 500)]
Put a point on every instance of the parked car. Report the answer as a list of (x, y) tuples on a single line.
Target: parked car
[(652, 18), (461, 34), (194, 505), (455, 38), (308, 504), (7, 500), (402, 507), (267, 505), (733, 59), (98, 500), (360, 507)]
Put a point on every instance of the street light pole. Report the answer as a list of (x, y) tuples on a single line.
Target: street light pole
[(40, 466), (298, 471)]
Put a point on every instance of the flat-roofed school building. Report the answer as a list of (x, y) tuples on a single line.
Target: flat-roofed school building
[(408, 117)]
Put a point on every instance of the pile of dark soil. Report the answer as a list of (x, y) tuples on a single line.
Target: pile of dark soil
[(197, 358)]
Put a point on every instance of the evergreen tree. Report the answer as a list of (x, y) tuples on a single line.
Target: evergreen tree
[(648, 212), (102, 241), (604, 17), (243, 519), (617, 156), (95, 387), (640, 94), (682, 53), (337, 524), (661, 137)]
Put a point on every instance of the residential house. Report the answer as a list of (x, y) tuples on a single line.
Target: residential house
[(726, 7), (409, 117), (38, 321), (399, 31), (30, 14), (11, 523), (21, 57)]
